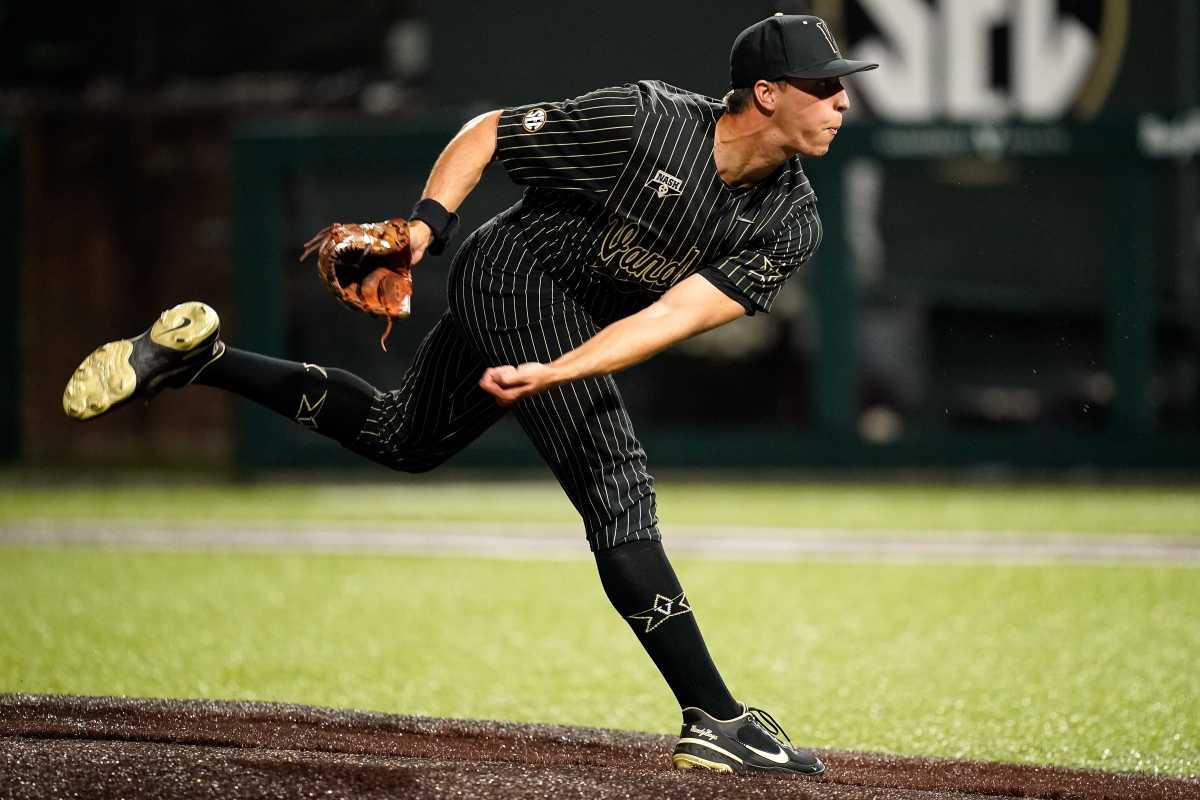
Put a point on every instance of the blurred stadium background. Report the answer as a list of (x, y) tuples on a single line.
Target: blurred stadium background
[(1010, 273), (1009, 287)]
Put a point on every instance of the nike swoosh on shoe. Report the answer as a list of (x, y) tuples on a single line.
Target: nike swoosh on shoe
[(779, 757), (183, 323)]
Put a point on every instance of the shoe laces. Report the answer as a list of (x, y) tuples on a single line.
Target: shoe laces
[(768, 723)]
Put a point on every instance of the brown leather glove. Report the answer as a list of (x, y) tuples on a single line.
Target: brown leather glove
[(367, 267)]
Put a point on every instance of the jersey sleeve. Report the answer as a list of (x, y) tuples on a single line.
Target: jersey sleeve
[(753, 276), (579, 144)]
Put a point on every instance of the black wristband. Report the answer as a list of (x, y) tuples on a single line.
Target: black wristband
[(443, 223)]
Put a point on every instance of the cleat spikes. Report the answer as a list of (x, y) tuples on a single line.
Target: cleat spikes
[(181, 343)]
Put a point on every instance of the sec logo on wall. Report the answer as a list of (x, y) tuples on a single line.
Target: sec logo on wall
[(977, 60)]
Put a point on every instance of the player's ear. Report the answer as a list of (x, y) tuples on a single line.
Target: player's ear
[(766, 96)]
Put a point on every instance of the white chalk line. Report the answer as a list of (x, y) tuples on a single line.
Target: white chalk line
[(559, 541)]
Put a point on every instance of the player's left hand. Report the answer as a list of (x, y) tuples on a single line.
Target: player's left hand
[(367, 266), (419, 239), (509, 384)]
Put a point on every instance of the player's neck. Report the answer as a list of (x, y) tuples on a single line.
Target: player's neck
[(744, 149)]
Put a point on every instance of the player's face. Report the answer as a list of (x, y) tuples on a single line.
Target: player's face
[(810, 113)]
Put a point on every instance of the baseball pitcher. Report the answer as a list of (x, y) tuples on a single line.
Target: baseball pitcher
[(651, 214)]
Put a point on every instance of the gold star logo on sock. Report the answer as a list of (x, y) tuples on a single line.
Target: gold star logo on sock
[(307, 413), (663, 609)]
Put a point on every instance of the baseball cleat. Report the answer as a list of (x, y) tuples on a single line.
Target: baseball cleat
[(182, 342), (747, 743)]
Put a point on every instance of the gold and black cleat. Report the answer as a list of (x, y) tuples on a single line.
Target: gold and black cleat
[(750, 742), (182, 342)]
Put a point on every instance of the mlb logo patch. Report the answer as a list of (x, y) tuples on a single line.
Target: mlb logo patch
[(665, 184)]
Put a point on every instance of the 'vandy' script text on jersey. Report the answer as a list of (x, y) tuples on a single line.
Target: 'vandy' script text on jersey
[(623, 181)]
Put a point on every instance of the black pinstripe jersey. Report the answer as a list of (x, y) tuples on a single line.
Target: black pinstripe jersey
[(622, 180)]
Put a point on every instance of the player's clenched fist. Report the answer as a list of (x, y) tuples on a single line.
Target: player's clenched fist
[(509, 384)]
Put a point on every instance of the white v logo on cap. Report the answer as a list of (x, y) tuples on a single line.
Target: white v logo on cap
[(824, 29)]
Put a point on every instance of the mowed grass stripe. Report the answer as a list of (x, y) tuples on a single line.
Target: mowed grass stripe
[(1114, 510), (1072, 665)]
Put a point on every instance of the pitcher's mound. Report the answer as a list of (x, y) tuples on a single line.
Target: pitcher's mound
[(52, 746)]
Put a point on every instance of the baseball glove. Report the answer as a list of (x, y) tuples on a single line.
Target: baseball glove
[(367, 267)]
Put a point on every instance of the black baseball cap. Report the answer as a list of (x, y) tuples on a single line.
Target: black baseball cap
[(788, 46)]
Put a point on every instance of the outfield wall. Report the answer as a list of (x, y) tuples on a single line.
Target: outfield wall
[(1010, 272)]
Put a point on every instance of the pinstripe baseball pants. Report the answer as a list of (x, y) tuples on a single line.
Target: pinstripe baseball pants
[(504, 308)]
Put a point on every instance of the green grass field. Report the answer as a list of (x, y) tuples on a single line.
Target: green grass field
[(877, 507), (1079, 665)]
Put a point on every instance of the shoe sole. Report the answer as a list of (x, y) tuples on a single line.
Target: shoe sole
[(688, 761), (691, 761), (184, 326), (106, 378)]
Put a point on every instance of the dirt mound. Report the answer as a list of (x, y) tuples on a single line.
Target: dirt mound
[(101, 747)]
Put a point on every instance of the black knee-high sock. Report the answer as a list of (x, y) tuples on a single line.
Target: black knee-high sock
[(331, 401), (642, 586)]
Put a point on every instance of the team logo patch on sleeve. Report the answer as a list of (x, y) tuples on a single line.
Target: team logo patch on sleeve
[(534, 119), (665, 184)]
